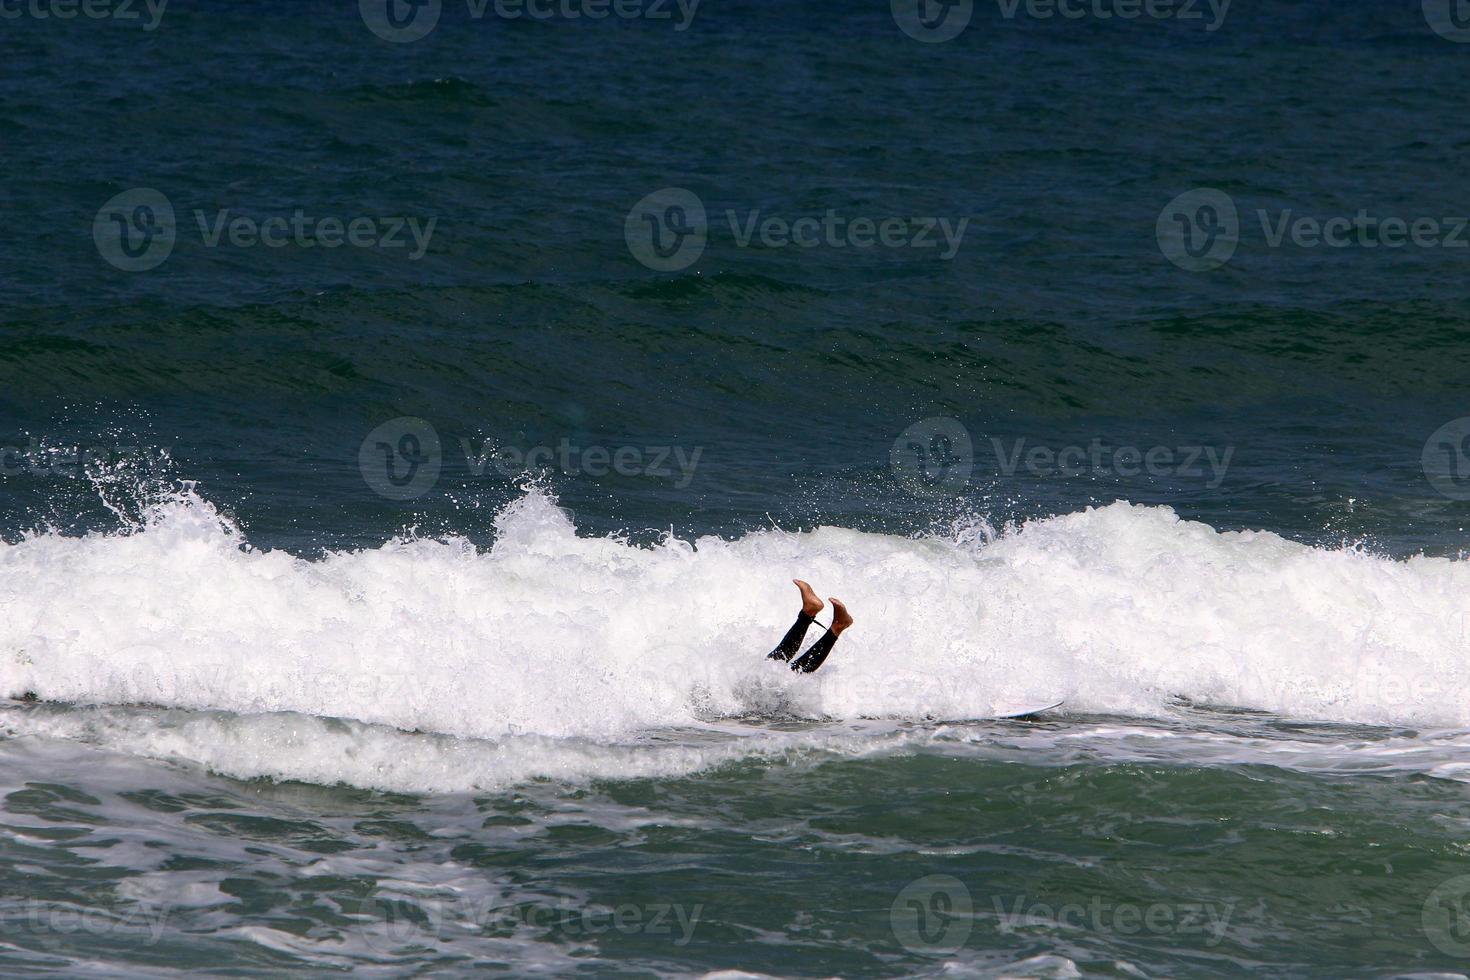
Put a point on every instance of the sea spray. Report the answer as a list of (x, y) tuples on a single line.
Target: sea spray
[(1119, 609)]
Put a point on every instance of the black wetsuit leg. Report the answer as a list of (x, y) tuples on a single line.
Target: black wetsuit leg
[(791, 642), (808, 662)]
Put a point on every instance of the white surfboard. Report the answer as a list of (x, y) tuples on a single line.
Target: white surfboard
[(1023, 711)]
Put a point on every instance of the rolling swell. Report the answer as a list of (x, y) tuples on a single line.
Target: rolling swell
[(791, 407), (1045, 366)]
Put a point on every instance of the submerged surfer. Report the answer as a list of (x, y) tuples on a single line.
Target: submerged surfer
[(817, 652)]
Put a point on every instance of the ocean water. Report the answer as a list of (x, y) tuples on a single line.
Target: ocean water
[(412, 417)]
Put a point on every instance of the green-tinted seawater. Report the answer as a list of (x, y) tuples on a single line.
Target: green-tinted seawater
[(1014, 848)]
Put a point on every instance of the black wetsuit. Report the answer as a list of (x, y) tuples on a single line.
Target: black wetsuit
[(815, 654)]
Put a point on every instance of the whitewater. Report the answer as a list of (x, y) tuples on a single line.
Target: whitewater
[(433, 665)]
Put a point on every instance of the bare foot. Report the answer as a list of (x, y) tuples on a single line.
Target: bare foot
[(841, 618), (810, 604)]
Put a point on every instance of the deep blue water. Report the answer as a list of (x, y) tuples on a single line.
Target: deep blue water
[(527, 320)]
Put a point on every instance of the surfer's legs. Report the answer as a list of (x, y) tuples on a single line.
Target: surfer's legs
[(791, 642), (816, 654)]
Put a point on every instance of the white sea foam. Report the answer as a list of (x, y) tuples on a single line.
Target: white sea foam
[(288, 745), (554, 654)]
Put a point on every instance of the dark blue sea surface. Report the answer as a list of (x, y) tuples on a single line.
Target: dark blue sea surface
[(527, 320)]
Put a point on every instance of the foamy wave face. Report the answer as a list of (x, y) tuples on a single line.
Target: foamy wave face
[(1118, 609), (291, 746)]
